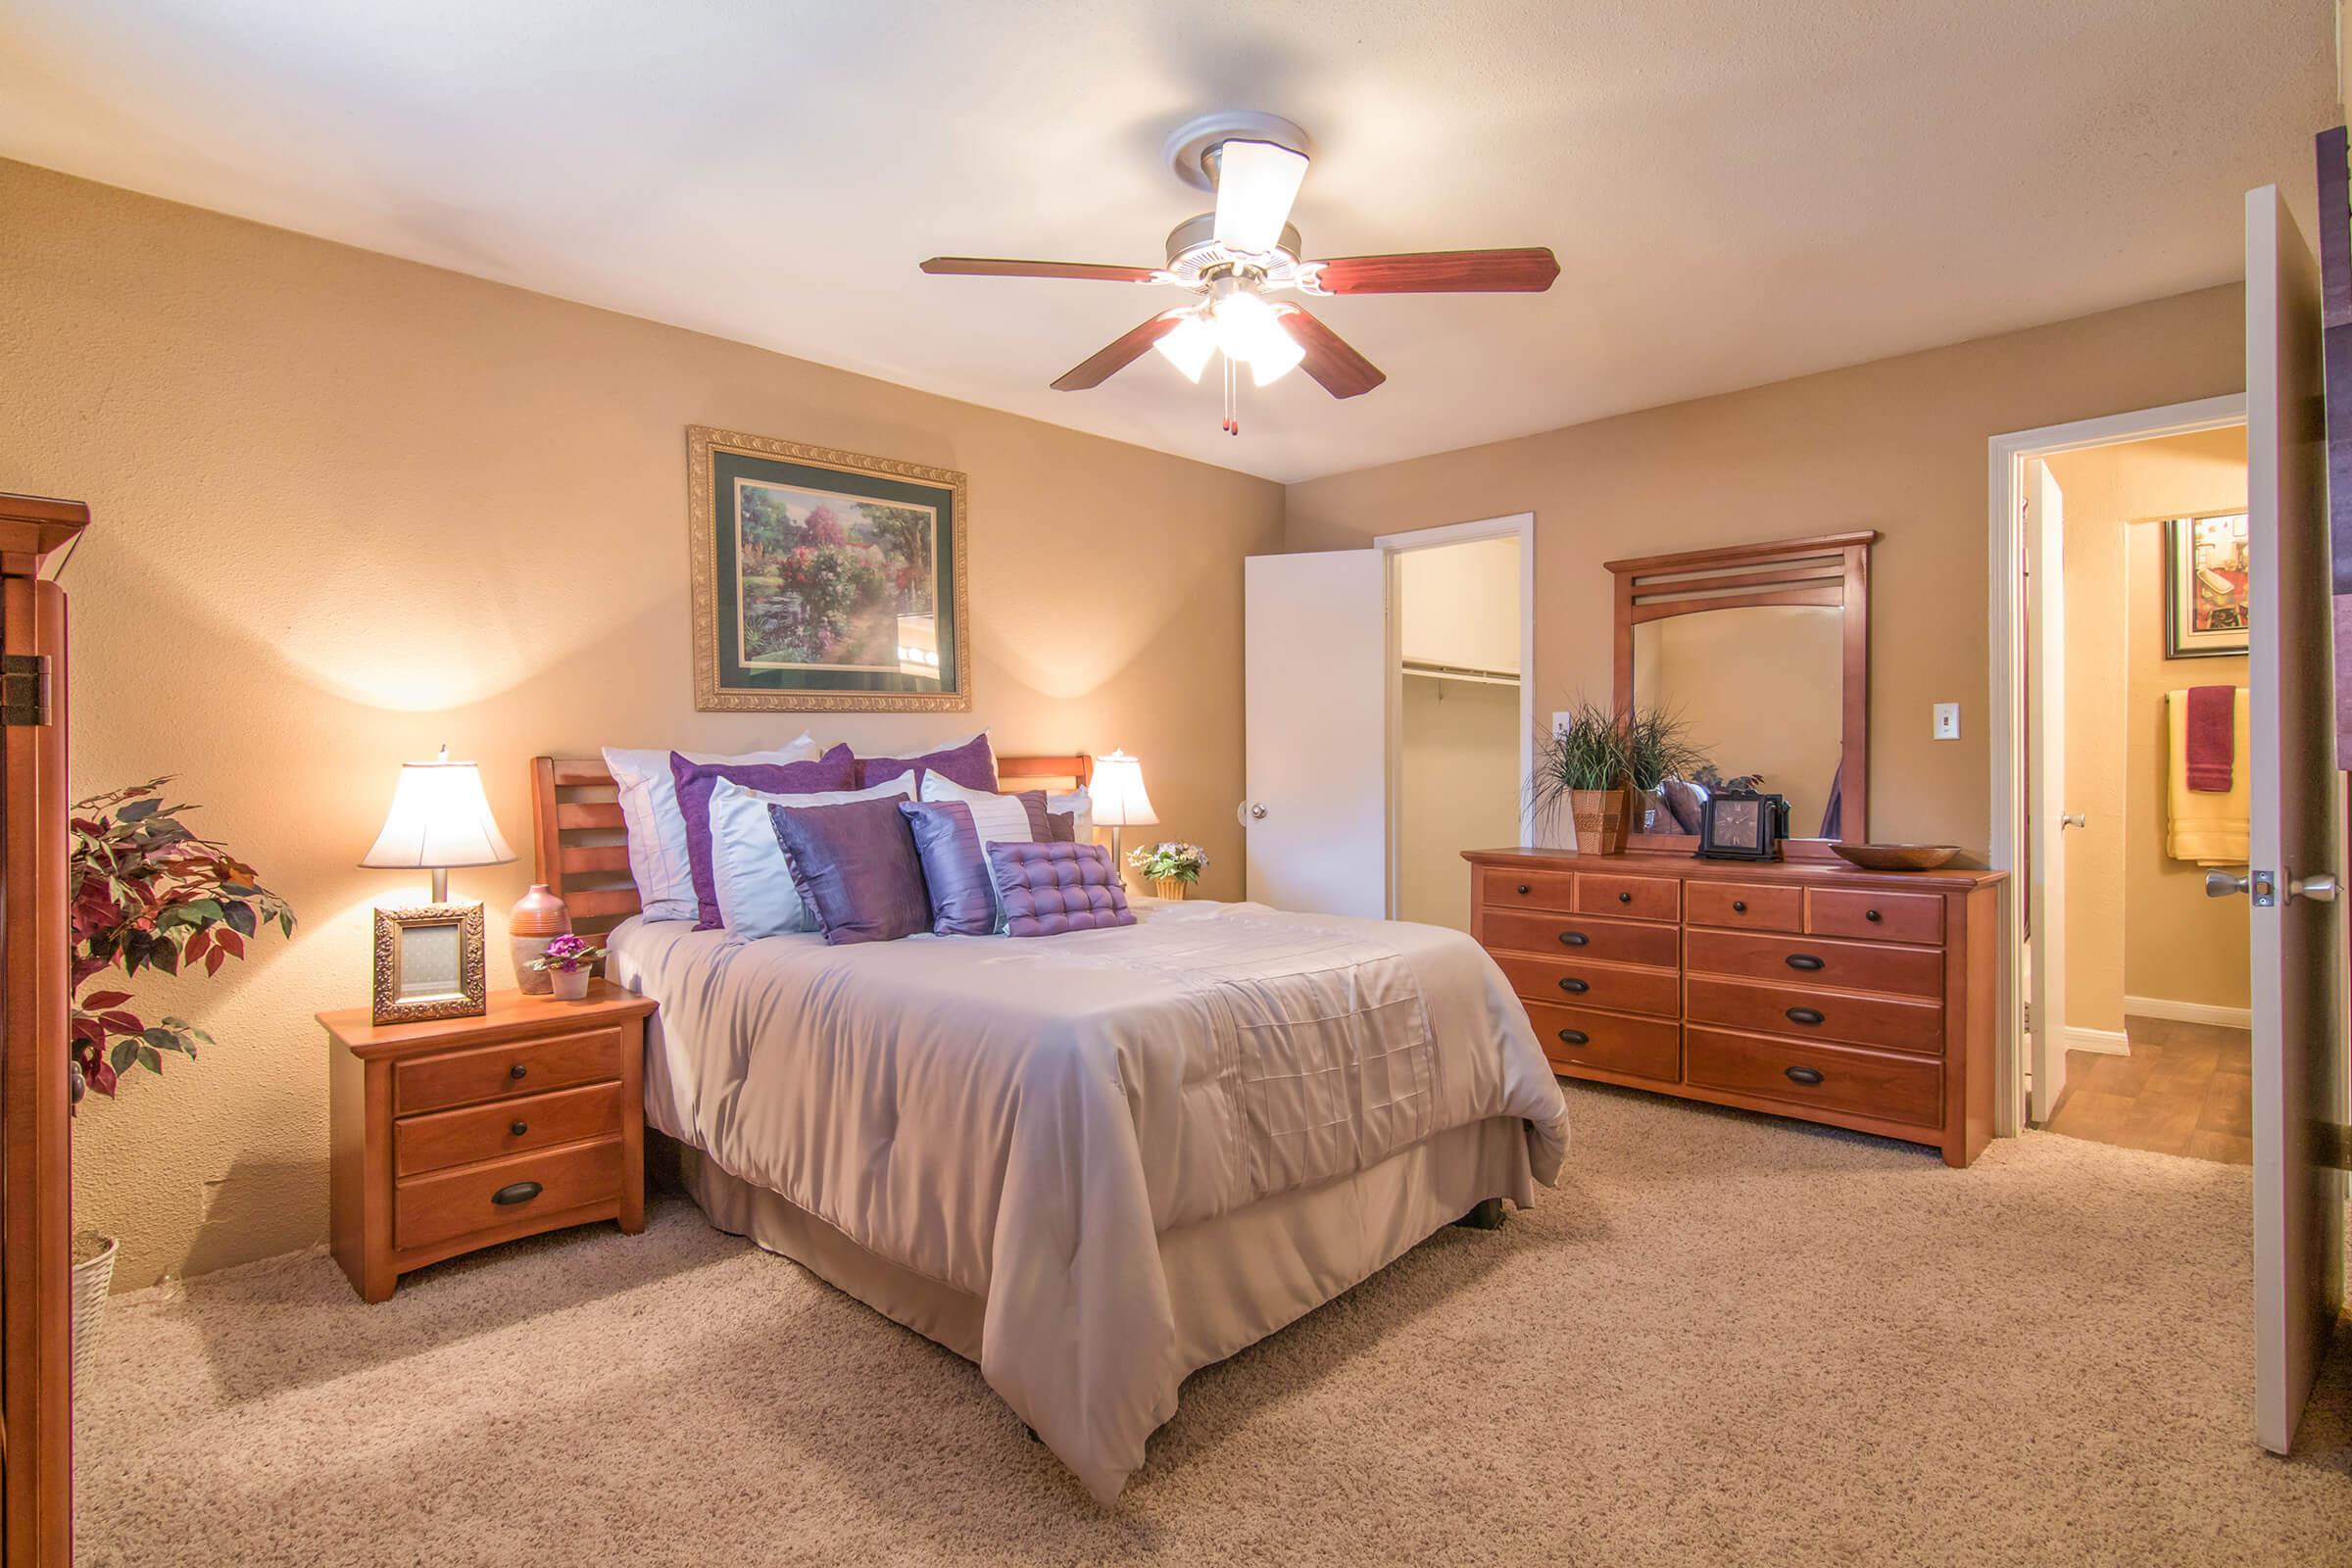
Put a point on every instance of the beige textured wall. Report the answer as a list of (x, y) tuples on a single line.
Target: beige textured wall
[(2138, 923), (1899, 445), (348, 508), (1457, 783)]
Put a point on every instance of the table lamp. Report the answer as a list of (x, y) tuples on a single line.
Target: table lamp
[(1119, 801), (428, 956)]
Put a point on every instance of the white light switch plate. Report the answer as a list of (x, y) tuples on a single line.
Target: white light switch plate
[(1948, 721), (1559, 722)]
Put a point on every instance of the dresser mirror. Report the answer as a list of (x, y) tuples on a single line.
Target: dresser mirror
[(1763, 653)]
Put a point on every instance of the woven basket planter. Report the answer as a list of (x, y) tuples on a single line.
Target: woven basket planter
[(1168, 887), (1602, 817), (93, 1276)]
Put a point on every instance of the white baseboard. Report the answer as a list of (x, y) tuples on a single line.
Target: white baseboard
[(2106, 1042), (2189, 1011)]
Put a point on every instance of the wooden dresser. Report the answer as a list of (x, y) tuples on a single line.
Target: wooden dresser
[(1802, 988)]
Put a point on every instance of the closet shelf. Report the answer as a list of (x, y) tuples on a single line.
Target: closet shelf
[(1480, 677)]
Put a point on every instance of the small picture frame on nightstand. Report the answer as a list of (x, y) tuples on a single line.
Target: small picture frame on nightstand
[(428, 964)]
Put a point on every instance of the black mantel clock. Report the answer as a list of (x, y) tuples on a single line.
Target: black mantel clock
[(1740, 825)]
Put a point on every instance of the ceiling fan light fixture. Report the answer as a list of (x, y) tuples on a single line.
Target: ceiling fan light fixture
[(1257, 183), (1188, 345), (1277, 357), (1247, 326)]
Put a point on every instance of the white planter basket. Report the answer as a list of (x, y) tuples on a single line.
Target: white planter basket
[(93, 1276)]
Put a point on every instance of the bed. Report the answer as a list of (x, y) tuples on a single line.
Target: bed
[(1091, 1163)]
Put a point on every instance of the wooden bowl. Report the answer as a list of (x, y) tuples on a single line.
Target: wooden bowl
[(1895, 856)]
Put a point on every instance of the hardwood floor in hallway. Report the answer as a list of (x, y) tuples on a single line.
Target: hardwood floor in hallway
[(2185, 1089)]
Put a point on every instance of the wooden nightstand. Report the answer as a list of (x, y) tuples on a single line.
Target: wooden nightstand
[(459, 1134)]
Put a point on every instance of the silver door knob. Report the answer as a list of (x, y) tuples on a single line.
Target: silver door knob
[(1249, 811), (2318, 889), (1257, 812), (2223, 885), (2070, 820)]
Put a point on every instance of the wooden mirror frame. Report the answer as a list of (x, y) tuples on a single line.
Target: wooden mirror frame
[(1831, 570)]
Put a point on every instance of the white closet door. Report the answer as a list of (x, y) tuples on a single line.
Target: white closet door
[(2046, 815), (1316, 724)]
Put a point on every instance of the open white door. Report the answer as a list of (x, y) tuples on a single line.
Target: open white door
[(1315, 718), (2045, 786), (2297, 940)]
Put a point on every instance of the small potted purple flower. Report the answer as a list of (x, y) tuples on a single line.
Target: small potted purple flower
[(565, 962), (1171, 868)]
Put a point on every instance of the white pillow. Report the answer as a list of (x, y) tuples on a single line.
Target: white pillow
[(649, 812), (995, 820), (1081, 808), (756, 896)]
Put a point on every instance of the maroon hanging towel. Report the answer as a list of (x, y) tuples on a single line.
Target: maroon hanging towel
[(2212, 737)]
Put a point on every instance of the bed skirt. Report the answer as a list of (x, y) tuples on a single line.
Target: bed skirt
[(1232, 1280)]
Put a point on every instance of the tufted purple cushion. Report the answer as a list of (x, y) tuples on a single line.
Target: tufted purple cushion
[(1049, 889), (695, 780), (955, 870), (972, 764), (856, 867)]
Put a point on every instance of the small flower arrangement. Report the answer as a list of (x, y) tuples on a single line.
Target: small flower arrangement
[(1171, 862), (567, 955)]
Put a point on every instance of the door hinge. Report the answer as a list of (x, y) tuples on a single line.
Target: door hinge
[(24, 690)]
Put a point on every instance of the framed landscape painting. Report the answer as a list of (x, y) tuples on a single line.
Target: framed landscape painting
[(825, 579), (2205, 589)]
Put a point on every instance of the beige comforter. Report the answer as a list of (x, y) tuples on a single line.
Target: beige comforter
[(1021, 1119)]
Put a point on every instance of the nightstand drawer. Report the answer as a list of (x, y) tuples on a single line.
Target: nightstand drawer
[(513, 1126), (427, 1210), (497, 1072)]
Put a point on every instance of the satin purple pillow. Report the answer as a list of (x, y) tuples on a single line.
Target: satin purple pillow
[(855, 868), (1049, 889), (963, 901), (832, 772), (972, 764)]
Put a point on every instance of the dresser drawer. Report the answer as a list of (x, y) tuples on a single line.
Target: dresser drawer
[(1741, 905), (427, 1210), (496, 1072), (1648, 1048), (1578, 983), (1501, 888), (514, 1126), (1862, 1083), (1579, 936), (1639, 898), (1818, 1015), (1807, 960), (1886, 916)]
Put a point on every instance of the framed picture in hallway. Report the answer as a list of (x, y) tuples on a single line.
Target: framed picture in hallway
[(2205, 586), (825, 579)]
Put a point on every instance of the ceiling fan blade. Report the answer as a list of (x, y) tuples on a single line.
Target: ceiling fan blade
[(1257, 183), (991, 267), (1119, 354), (1342, 371), (1515, 271)]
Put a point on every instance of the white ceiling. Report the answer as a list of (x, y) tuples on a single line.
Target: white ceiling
[(1737, 191)]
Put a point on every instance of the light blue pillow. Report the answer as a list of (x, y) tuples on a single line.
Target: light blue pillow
[(756, 896)]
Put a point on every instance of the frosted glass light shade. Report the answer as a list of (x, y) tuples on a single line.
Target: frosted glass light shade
[(1277, 355), (1257, 183), (1118, 793), (439, 818), (1188, 346)]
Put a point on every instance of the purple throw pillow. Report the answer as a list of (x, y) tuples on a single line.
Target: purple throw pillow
[(695, 780), (1061, 827), (1049, 889), (972, 764), (955, 873), (855, 868)]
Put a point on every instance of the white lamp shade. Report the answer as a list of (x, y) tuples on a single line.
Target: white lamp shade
[(1118, 793), (439, 818)]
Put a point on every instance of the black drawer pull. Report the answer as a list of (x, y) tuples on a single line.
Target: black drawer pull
[(1574, 939), (1804, 1075), (1625, 898), (518, 1070), (516, 1193), (1804, 961), (1575, 1037), (1739, 906), (520, 1128), (1523, 890), (1803, 1015), (1574, 987), (1872, 917)]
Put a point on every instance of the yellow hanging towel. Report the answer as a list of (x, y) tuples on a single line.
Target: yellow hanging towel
[(2206, 827)]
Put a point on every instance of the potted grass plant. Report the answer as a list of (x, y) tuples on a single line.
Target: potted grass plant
[(1597, 762)]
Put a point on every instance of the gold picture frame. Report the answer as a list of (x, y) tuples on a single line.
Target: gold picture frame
[(428, 964), (897, 640)]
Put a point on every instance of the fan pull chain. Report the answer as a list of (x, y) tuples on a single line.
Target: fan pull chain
[(1233, 423)]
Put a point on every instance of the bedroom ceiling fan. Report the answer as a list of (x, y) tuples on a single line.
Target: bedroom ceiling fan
[(1247, 250)]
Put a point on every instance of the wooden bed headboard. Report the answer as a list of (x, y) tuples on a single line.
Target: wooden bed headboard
[(583, 856)]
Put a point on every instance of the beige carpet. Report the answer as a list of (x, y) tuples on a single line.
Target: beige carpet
[(1724, 1340)]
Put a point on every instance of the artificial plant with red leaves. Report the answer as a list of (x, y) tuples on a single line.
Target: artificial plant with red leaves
[(148, 894)]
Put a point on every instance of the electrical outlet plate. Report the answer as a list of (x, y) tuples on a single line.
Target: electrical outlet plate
[(1948, 721)]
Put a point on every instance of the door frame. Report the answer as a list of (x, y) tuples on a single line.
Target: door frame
[(1519, 525), (2006, 458)]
